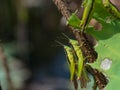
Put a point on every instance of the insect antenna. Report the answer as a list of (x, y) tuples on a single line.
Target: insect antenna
[(60, 37), (59, 43), (65, 36)]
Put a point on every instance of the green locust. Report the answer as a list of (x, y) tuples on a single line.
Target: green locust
[(81, 73), (74, 20), (88, 6), (71, 59), (111, 8), (76, 47), (79, 54)]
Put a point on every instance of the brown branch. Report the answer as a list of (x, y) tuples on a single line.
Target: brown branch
[(87, 47), (100, 79), (64, 9)]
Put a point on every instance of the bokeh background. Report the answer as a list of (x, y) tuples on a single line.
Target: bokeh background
[(28, 30)]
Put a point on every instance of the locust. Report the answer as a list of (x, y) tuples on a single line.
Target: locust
[(81, 71), (81, 24), (111, 8), (79, 54), (71, 58), (87, 47), (76, 47), (88, 6)]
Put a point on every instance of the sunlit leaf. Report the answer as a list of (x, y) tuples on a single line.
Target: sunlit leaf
[(108, 47)]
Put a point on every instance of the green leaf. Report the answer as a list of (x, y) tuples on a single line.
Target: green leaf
[(108, 47), (74, 21)]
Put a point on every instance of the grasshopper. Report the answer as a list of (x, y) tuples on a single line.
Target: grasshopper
[(88, 6), (72, 63), (111, 8), (71, 59), (80, 62), (87, 48), (74, 21)]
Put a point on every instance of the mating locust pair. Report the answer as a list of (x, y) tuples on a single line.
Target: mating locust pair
[(80, 52), (79, 69)]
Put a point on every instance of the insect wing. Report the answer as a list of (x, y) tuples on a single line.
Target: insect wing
[(78, 52), (71, 60)]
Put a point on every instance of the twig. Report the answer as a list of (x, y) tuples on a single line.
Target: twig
[(62, 6)]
